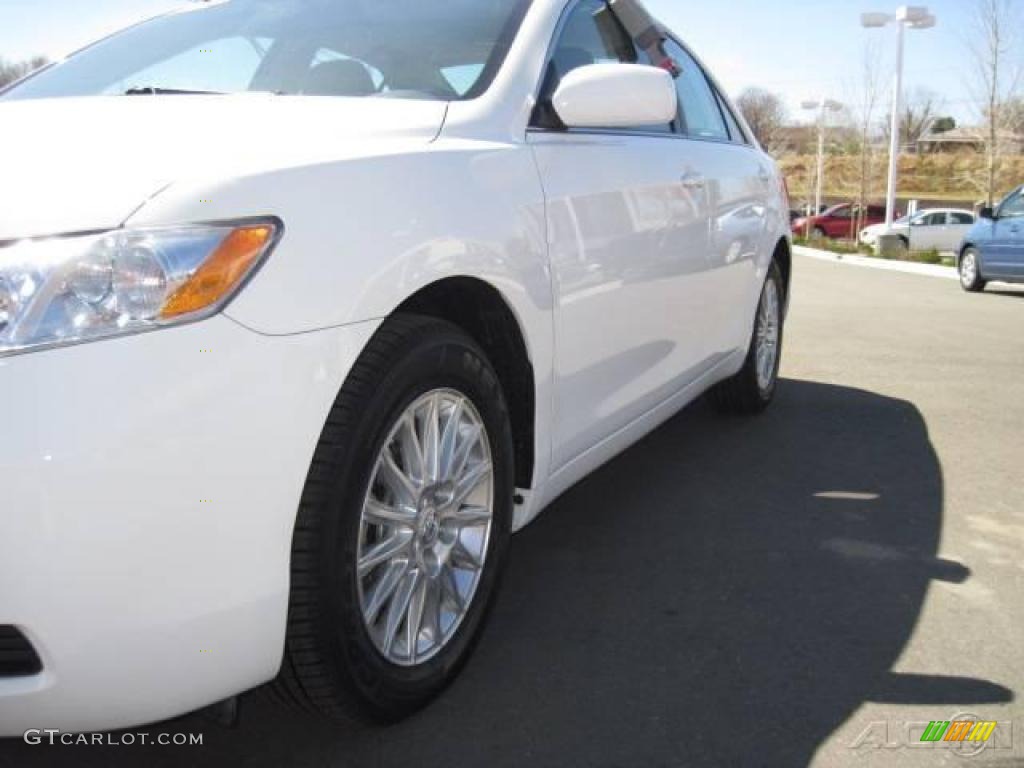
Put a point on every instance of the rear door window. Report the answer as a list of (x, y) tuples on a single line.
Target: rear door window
[(700, 113), (735, 132)]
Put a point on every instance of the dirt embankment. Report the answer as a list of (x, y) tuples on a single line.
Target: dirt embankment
[(931, 179)]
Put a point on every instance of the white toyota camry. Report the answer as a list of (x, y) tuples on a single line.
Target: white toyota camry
[(307, 305)]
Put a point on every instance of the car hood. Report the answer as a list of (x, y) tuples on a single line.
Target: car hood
[(73, 165)]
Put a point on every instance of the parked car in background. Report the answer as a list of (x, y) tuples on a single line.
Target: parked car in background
[(940, 229), (293, 335), (994, 247), (804, 212), (838, 222)]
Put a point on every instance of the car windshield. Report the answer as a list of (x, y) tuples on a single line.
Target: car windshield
[(448, 50)]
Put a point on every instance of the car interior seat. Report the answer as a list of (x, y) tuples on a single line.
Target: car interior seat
[(347, 77)]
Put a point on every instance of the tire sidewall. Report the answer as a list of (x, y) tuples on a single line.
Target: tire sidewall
[(444, 361)]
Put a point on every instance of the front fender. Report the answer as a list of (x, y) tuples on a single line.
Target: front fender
[(364, 234)]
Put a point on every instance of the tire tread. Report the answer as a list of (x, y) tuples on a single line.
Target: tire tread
[(306, 680), (741, 395)]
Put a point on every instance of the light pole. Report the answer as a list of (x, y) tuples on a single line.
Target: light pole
[(823, 107), (913, 17)]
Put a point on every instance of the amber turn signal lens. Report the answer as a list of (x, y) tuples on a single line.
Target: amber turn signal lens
[(221, 273)]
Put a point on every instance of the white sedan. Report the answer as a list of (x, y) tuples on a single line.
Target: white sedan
[(940, 229), (305, 307)]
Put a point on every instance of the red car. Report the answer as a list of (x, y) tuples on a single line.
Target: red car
[(839, 221)]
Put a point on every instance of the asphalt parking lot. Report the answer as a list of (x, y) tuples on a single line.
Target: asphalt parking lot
[(736, 592)]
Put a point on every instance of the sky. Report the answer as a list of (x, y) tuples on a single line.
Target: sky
[(800, 49)]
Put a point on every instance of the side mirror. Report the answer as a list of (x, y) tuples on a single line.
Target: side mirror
[(616, 96), (987, 213)]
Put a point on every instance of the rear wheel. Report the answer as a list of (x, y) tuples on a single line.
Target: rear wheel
[(403, 527), (752, 389), (970, 272)]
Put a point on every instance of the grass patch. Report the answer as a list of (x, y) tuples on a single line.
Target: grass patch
[(841, 247), (849, 248)]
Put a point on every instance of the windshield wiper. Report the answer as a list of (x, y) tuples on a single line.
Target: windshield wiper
[(151, 91)]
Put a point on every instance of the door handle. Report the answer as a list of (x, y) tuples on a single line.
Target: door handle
[(693, 181)]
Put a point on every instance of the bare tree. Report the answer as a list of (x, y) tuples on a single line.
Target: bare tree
[(1013, 115), (765, 113), (11, 71), (920, 112), (867, 99), (997, 76)]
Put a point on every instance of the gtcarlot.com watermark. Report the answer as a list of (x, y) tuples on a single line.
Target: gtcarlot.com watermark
[(54, 737)]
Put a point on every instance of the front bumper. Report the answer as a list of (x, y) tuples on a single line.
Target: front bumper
[(150, 486)]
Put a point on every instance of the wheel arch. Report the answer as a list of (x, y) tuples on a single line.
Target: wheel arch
[(481, 310)]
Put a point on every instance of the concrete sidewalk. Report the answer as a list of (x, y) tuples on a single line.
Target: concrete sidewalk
[(909, 267)]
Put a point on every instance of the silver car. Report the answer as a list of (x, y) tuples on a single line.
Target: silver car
[(940, 229)]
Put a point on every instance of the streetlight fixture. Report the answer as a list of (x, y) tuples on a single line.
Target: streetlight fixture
[(823, 107), (907, 17)]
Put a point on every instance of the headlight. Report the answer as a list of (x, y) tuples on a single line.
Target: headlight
[(68, 290)]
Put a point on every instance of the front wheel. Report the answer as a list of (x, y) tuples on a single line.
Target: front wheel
[(970, 272), (752, 389), (403, 526)]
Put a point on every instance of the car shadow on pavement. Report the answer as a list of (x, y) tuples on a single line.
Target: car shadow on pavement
[(727, 592), (1005, 292)]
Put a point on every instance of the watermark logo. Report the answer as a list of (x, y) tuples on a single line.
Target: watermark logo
[(963, 735), (53, 737), (958, 730)]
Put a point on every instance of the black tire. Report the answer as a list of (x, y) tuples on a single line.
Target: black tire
[(743, 394), (819, 234), (331, 665), (977, 283)]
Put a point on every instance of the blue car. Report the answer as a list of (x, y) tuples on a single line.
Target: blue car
[(994, 247)]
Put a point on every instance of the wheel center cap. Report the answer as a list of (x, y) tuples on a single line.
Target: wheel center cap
[(429, 525)]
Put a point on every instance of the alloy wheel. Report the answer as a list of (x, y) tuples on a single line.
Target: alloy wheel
[(968, 269), (425, 527), (767, 342)]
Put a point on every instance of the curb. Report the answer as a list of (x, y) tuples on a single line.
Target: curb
[(854, 260)]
